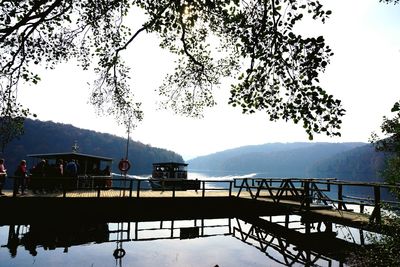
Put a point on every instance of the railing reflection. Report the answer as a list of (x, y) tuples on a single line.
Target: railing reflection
[(305, 244), (51, 236), (289, 241)]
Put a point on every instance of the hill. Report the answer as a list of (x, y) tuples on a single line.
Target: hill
[(360, 163), (341, 160), (50, 137)]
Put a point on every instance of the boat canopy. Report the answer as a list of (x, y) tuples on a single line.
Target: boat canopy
[(170, 166), (170, 170), (69, 156), (87, 164)]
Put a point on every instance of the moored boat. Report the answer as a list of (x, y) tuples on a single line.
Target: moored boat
[(172, 176)]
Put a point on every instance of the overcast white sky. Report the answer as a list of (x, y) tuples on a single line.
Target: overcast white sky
[(364, 74)]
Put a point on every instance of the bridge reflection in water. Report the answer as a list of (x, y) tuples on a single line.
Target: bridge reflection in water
[(284, 240)]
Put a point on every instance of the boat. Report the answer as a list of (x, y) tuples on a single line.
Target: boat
[(172, 176), (50, 171)]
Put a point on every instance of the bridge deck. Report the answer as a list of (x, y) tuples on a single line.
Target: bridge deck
[(316, 212)]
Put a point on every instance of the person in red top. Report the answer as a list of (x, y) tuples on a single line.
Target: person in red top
[(20, 175), (3, 174)]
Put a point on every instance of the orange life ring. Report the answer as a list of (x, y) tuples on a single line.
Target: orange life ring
[(124, 165)]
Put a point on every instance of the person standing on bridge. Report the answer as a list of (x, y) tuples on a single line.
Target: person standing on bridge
[(20, 176), (3, 174), (71, 168)]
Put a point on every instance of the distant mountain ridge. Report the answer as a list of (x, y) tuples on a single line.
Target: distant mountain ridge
[(50, 137), (297, 160)]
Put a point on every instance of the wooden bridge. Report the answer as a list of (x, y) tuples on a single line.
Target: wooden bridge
[(316, 200)]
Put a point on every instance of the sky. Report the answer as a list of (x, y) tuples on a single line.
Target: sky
[(364, 73)]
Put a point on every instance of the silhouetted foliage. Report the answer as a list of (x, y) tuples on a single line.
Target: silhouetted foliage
[(390, 143), (386, 249), (389, 1), (10, 128), (280, 77), (384, 252)]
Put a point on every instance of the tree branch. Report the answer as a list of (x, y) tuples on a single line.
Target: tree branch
[(27, 17)]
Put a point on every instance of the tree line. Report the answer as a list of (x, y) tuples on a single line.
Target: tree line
[(50, 137)]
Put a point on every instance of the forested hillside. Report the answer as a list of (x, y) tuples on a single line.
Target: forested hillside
[(341, 160), (361, 163), (50, 137)]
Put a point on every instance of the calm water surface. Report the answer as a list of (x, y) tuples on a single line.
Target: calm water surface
[(210, 251), (200, 242)]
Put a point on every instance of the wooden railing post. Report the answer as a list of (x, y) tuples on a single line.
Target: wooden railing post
[(246, 180), (313, 188), (307, 194), (340, 196), (230, 188), (130, 187), (240, 188), (98, 191), (203, 191), (138, 188), (15, 189), (64, 190), (376, 214)]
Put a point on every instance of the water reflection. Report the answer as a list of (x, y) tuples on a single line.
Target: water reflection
[(273, 240), (51, 236)]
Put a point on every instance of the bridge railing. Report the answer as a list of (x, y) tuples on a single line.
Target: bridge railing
[(326, 191), (370, 194), (97, 186), (282, 188)]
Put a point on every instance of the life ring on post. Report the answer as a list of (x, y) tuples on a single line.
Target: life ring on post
[(124, 165)]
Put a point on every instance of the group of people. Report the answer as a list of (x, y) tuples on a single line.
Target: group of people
[(42, 170), (60, 169), (39, 174)]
